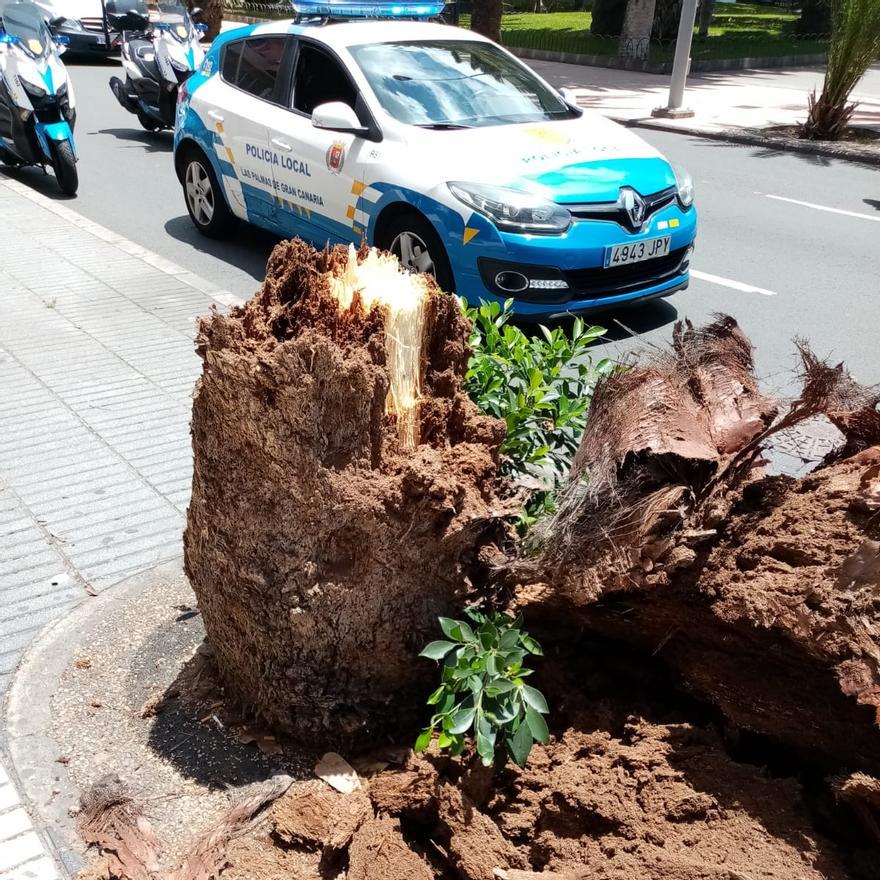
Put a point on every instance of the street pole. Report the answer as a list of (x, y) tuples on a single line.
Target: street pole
[(681, 64)]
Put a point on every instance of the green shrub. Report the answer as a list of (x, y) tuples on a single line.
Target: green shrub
[(541, 386), (482, 689)]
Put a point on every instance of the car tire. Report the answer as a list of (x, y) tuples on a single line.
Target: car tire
[(415, 243), (204, 198)]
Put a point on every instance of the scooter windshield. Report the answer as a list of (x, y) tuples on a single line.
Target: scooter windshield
[(177, 20), (27, 22), (127, 15)]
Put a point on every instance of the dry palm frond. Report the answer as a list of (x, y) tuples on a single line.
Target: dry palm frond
[(855, 46)]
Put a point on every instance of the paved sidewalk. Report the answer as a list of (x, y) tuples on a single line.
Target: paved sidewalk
[(96, 370), (750, 99)]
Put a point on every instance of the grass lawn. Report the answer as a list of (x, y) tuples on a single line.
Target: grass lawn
[(737, 31)]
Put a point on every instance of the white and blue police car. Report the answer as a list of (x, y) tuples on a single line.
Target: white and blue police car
[(370, 122)]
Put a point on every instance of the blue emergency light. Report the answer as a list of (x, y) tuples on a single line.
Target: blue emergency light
[(376, 9)]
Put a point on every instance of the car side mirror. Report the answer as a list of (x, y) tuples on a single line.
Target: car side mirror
[(336, 116), (570, 97)]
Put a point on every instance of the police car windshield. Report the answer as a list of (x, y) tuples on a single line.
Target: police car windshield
[(446, 84)]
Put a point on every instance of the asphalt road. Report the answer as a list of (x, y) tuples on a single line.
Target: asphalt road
[(788, 244)]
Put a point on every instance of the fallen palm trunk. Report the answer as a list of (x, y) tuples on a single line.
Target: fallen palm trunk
[(343, 490), (762, 591)]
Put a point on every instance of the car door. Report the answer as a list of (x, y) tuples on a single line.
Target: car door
[(234, 106), (320, 173)]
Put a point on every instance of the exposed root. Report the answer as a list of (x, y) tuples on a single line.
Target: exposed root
[(111, 821)]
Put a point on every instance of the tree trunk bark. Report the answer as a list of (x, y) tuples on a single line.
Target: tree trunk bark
[(321, 551), (707, 10), (608, 18), (486, 18), (635, 40)]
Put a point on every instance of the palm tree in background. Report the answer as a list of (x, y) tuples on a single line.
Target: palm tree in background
[(855, 45)]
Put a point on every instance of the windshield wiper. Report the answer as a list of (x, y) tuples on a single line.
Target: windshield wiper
[(442, 126)]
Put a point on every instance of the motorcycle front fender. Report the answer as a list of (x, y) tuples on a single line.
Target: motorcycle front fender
[(53, 131)]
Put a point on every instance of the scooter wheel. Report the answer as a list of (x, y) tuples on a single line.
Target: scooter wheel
[(148, 123), (64, 164)]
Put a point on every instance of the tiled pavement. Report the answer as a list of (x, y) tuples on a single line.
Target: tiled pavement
[(96, 372)]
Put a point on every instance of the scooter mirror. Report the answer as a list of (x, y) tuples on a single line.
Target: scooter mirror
[(57, 21), (196, 10)]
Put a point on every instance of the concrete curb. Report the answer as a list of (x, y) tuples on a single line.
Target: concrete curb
[(615, 62), (752, 137), (28, 716)]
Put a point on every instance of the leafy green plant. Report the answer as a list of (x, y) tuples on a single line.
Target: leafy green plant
[(483, 689), (541, 385)]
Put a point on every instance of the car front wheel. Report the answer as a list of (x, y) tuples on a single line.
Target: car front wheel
[(412, 239), (204, 199)]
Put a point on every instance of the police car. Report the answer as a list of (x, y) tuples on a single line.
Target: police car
[(354, 122)]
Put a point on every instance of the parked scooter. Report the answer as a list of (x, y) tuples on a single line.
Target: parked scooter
[(157, 57), (37, 112)]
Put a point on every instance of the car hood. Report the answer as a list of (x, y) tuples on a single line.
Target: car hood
[(580, 160)]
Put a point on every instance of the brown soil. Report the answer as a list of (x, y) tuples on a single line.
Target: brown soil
[(615, 795), (320, 553)]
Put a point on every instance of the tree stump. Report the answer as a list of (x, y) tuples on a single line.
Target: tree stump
[(321, 551)]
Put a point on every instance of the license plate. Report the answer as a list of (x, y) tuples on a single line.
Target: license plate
[(637, 251)]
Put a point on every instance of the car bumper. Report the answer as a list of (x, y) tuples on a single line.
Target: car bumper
[(577, 260)]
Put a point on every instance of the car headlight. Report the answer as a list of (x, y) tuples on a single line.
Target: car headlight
[(512, 209), (684, 183)]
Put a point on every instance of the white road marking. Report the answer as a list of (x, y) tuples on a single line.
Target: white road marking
[(728, 282), (873, 218)]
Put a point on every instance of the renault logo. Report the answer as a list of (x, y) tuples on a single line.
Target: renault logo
[(634, 205)]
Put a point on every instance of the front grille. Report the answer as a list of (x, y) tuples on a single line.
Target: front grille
[(600, 282), (613, 212), (96, 25)]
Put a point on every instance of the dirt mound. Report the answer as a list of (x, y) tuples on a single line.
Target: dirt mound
[(614, 796), (321, 551)]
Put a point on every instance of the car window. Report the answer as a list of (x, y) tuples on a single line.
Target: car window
[(320, 78), (455, 83), (259, 65), (229, 63)]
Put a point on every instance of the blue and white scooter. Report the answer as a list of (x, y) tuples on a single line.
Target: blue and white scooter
[(159, 52), (37, 111)]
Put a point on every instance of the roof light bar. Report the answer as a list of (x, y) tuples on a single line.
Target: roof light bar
[(376, 9)]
